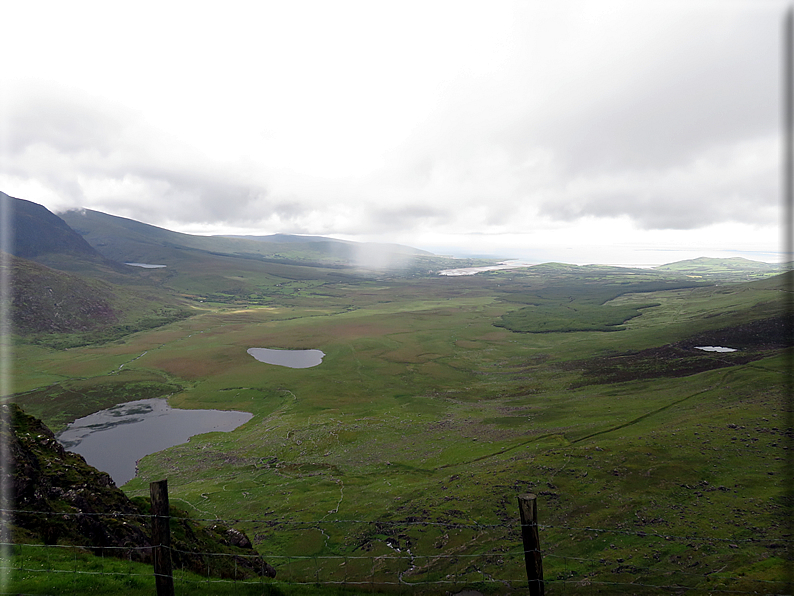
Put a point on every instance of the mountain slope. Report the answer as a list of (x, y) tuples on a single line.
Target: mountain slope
[(44, 300), (127, 240), (36, 231), (249, 271), (38, 234), (63, 309)]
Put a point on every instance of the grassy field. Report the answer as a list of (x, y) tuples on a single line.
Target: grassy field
[(40, 569), (400, 457)]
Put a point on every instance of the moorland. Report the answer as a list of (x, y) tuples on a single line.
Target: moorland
[(396, 462)]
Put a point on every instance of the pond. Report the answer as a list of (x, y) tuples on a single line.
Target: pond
[(288, 358), (113, 440), (476, 270), (144, 265), (715, 349)]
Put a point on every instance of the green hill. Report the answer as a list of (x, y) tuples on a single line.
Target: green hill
[(44, 300), (733, 269), (62, 309), (254, 270), (36, 233), (127, 240)]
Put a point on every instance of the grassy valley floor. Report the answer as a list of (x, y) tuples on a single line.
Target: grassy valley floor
[(398, 460)]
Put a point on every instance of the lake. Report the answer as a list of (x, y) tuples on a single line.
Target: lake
[(715, 349), (288, 358), (113, 440), (476, 270)]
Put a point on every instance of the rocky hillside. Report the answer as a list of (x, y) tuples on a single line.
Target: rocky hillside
[(60, 499), (44, 300)]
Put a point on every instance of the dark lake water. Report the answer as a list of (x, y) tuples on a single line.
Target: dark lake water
[(113, 440), (289, 358)]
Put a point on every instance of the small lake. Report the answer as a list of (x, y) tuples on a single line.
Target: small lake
[(144, 265), (113, 440), (288, 358), (715, 349), (476, 270)]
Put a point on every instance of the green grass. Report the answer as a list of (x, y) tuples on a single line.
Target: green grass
[(424, 409), (86, 396), (582, 301), (37, 569), (736, 269)]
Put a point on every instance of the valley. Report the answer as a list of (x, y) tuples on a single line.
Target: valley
[(397, 460)]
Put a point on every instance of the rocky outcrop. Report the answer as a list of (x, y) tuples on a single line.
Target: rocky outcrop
[(58, 498)]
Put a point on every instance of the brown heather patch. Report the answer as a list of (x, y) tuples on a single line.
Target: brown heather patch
[(135, 346), (753, 341), (360, 330), (193, 368), (467, 344), (410, 356), (495, 335), (79, 368)]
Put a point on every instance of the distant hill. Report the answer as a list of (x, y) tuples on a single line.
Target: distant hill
[(36, 231), (127, 240), (733, 269), (38, 234), (284, 238)]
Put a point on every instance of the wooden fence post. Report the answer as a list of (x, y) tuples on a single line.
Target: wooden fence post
[(528, 509), (161, 538)]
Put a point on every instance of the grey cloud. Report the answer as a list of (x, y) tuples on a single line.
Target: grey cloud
[(610, 143), (65, 141), (627, 137), (669, 149), (381, 218), (652, 211), (717, 87), (681, 202), (201, 195), (63, 120)]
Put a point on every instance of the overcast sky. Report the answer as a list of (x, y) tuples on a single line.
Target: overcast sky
[(592, 131)]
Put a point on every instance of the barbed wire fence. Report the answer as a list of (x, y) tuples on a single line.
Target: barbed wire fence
[(403, 568)]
